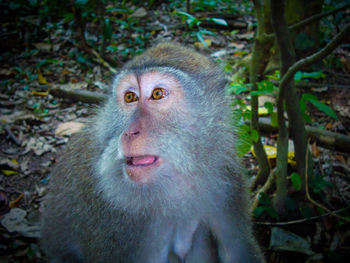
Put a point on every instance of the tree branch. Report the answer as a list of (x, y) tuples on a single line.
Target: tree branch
[(327, 139), (316, 56), (316, 17), (311, 19), (287, 57), (84, 96)]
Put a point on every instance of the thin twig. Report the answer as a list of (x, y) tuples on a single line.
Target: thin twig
[(12, 136), (268, 184), (308, 194), (298, 221), (103, 62)]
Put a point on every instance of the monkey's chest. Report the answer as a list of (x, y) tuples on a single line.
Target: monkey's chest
[(183, 238)]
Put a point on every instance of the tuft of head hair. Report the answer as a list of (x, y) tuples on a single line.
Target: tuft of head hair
[(172, 55)]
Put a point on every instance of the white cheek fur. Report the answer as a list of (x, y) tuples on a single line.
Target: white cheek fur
[(110, 160)]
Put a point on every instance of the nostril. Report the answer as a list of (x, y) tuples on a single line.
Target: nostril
[(133, 130), (132, 133)]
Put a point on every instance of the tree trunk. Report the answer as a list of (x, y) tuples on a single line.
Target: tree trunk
[(259, 60)]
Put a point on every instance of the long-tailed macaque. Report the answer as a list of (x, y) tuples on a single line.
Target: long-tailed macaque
[(154, 177)]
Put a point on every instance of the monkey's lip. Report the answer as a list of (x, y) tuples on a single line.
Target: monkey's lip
[(141, 161), (140, 169)]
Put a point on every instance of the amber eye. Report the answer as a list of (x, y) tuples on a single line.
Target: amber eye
[(159, 93), (130, 97)]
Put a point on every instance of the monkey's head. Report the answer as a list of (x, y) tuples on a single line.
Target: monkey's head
[(164, 129)]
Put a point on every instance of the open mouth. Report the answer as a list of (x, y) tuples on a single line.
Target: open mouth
[(141, 161)]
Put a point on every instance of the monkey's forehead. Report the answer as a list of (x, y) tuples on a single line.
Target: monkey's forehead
[(179, 75), (146, 80)]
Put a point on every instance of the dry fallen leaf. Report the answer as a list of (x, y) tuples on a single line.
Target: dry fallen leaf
[(40, 93), (16, 221), (9, 172), (315, 150), (41, 78), (12, 163), (16, 116), (39, 145), (46, 47), (271, 153), (15, 202), (200, 44), (68, 128)]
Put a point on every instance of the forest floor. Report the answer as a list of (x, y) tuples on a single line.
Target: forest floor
[(36, 125)]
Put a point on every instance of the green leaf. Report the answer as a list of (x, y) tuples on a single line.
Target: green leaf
[(81, 2), (112, 48), (185, 14), (275, 76), (291, 205), (247, 114), (107, 29), (119, 10), (237, 88), (81, 59), (272, 212), (306, 212), (201, 39), (303, 41), (243, 145), (298, 76), (243, 129), (207, 32), (244, 141), (324, 108), (228, 67), (306, 118), (259, 210), (236, 117), (254, 135), (296, 181), (314, 75), (318, 183), (308, 96), (264, 87), (33, 2), (302, 106), (273, 118), (13, 5), (264, 199), (269, 106), (191, 20), (302, 103), (220, 21), (68, 17)]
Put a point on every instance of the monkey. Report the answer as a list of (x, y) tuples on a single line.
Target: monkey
[(154, 177)]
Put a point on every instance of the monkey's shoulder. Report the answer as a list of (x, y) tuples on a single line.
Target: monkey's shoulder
[(74, 164)]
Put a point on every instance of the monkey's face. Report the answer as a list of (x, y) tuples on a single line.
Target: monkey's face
[(147, 99), (161, 141)]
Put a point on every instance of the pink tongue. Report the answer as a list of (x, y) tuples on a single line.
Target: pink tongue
[(144, 160)]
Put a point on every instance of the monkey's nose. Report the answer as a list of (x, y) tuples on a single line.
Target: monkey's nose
[(133, 130), (131, 133)]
